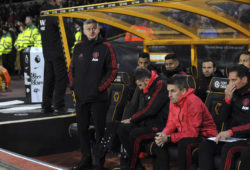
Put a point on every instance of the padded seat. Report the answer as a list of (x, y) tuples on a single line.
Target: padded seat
[(215, 98)]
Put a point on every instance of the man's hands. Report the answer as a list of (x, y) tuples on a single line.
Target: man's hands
[(161, 139), (126, 121), (222, 135), (230, 90)]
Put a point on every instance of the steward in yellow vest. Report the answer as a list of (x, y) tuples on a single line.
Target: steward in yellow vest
[(30, 33), (78, 35)]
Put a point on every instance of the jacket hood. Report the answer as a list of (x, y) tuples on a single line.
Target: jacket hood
[(154, 75), (189, 92)]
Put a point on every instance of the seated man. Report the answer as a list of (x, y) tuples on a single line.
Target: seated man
[(244, 158), (235, 112), (188, 122), (171, 66), (245, 59), (144, 124), (208, 71)]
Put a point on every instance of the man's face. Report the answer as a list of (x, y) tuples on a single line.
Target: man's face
[(91, 31), (171, 64), (245, 60), (237, 81), (143, 62), (4, 32), (174, 93), (27, 20), (208, 69), (142, 84)]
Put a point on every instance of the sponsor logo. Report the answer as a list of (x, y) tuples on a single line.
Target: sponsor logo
[(36, 90), (245, 103), (222, 84)]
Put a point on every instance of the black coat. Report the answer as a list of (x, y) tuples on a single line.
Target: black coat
[(93, 69)]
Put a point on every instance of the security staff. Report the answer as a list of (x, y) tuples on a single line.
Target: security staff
[(20, 47), (6, 48), (30, 33), (78, 35), (55, 74)]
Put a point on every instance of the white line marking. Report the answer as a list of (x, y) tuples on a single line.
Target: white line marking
[(37, 119), (12, 102), (21, 108), (30, 159)]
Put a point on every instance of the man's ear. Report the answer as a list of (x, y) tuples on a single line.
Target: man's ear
[(214, 69), (146, 80)]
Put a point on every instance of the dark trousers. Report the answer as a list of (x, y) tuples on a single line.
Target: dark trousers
[(22, 55), (8, 62), (96, 110), (245, 159), (228, 152), (131, 137), (185, 147), (55, 82)]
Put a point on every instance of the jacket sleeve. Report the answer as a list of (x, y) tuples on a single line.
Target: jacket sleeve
[(194, 121), (225, 110), (241, 131), (170, 125), (111, 68), (154, 105), (71, 72)]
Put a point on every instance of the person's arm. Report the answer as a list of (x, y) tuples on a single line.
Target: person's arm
[(158, 99), (226, 108), (111, 68)]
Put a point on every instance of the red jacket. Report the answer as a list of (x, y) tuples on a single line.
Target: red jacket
[(190, 117)]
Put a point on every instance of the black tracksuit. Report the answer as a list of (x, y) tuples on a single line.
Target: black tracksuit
[(165, 74), (55, 74), (93, 68), (236, 116), (147, 122)]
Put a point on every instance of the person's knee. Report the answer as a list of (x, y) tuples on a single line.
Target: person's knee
[(205, 147)]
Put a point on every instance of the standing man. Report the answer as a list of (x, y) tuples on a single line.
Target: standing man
[(30, 33), (235, 113), (188, 122), (208, 71), (93, 69), (6, 48), (78, 34), (55, 74)]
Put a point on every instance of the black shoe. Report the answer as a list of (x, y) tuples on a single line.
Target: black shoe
[(47, 110), (85, 164), (61, 110)]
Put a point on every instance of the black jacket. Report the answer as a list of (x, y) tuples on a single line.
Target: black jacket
[(51, 40), (165, 74), (156, 104), (93, 69), (236, 113)]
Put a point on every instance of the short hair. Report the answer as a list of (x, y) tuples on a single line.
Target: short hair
[(179, 81), (90, 21), (171, 56), (245, 53), (241, 70), (141, 74), (208, 59), (144, 55)]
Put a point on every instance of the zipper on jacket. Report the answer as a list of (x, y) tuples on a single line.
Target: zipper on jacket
[(179, 118)]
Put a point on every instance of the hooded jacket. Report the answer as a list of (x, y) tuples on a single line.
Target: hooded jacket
[(190, 117), (156, 102), (93, 68), (236, 112)]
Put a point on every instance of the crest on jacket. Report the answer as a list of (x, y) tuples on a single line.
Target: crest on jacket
[(245, 103), (95, 56)]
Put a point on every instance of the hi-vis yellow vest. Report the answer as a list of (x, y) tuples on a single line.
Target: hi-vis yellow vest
[(30, 35), (5, 44), (19, 42)]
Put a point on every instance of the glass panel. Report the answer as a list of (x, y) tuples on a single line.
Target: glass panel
[(205, 27), (150, 28), (237, 10)]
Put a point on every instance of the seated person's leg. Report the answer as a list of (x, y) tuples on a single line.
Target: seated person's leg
[(185, 147), (160, 156), (229, 153), (245, 159), (136, 137), (207, 150)]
